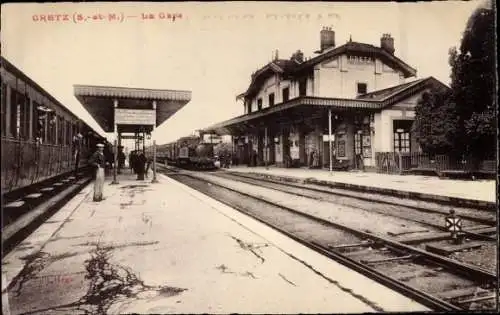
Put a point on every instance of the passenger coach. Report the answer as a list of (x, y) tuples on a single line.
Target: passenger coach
[(40, 136)]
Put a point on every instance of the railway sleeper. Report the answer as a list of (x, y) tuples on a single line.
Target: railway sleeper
[(344, 246), (463, 293), (390, 259), (476, 299)]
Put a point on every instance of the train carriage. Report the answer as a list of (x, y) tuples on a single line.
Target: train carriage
[(188, 152), (40, 137)]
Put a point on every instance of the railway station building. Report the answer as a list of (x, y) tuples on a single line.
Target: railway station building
[(357, 98)]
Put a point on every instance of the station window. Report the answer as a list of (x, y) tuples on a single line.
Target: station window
[(302, 87), (259, 104), (286, 94), (249, 107), (271, 99), (402, 135), (357, 143), (362, 88), (402, 141)]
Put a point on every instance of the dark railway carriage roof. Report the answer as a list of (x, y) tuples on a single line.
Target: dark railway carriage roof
[(20, 74)]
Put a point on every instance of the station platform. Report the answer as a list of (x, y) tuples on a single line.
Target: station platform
[(165, 248), (478, 191)]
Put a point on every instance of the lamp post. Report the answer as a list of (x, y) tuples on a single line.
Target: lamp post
[(154, 180), (266, 147), (115, 181), (330, 139)]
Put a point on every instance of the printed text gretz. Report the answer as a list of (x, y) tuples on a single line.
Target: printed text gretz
[(110, 17)]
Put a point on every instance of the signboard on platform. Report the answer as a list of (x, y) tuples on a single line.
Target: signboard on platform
[(125, 116)]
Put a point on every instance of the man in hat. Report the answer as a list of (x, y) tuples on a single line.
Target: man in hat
[(98, 161)]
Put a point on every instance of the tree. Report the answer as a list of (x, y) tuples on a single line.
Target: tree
[(435, 123), (473, 86), (463, 121)]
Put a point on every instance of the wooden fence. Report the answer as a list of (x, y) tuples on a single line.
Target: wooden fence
[(399, 163)]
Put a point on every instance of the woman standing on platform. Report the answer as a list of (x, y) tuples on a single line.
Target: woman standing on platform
[(98, 161)]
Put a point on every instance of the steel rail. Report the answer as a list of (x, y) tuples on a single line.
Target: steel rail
[(248, 180), (415, 294), (325, 191), (467, 270)]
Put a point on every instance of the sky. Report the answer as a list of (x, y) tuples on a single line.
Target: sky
[(212, 49)]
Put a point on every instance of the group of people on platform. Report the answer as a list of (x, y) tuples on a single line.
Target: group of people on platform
[(140, 163), (102, 160)]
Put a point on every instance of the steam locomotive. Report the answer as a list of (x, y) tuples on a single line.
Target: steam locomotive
[(188, 152)]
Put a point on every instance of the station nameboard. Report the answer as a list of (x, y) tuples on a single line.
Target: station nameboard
[(135, 116)]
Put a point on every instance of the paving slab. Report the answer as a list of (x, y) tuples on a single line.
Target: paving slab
[(164, 248)]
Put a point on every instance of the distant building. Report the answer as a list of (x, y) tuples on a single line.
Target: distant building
[(367, 90)]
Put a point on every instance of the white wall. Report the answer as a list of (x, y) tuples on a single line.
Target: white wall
[(338, 77)]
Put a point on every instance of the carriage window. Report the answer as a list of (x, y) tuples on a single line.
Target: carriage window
[(4, 108), (68, 133), (25, 122), (34, 121), (13, 114), (21, 117), (51, 126)]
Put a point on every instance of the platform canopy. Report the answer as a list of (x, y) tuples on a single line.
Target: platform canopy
[(311, 107), (130, 109)]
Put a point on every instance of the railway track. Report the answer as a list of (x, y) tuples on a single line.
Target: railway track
[(438, 282), (25, 210), (478, 225)]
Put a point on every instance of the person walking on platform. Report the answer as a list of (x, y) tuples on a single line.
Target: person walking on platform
[(133, 161), (141, 165), (121, 159), (98, 161), (149, 161)]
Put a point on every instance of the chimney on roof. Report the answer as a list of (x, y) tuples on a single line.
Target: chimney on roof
[(327, 38), (387, 43), (276, 54), (298, 56)]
